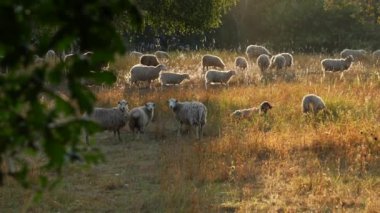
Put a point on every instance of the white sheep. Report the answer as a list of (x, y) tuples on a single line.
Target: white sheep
[(149, 60), (51, 57), (356, 54), (192, 113), (135, 54), (264, 107), (112, 119), (376, 55), (312, 103), (278, 62), (145, 73), (254, 51), (140, 117), (288, 58), (263, 61), (167, 78), (162, 55), (241, 63), (336, 65), (211, 61), (215, 76)]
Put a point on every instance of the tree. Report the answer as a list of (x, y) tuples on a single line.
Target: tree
[(35, 118)]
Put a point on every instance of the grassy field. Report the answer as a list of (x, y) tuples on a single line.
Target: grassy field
[(282, 162)]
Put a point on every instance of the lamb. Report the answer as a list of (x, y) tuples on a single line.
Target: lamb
[(211, 61), (336, 65), (162, 55), (254, 51), (263, 61), (356, 54), (136, 54), (264, 107), (145, 73), (192, 113), (278, 62), (288, 58), (312, 103), (172, 78), (241, 63), (140, 117), (112, 119), (215, 76), (149, 60)]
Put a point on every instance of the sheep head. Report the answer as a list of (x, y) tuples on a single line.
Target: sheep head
[(172, 103), (123, 105)]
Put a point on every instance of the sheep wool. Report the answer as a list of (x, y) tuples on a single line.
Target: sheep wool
[(162, 55), (241, 63), (149, 60), (215, 76), (172, 78), (140, 117), (212, 61), (112, 119), (254, 51), (288, 59), (312, 103), (336, 65), (145, 73), (264, 107), (356, 54), (278, 62), (192, 113), (263, 61)]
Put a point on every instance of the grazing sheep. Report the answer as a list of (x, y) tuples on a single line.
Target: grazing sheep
[(254, 51), (336, 65), (172, 78), (211, 61), (190, 113), (263, 61), (288, 58), (149, 60), (356, 54), (112, 119), (264, 107), (51, 57), (135, 54), (140, 117), (215, 76), (145, 73), (312, 103), (162, 55), (241, 63), (278, 62), (376, 54)]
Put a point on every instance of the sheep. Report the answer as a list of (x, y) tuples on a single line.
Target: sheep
[(376, 54), (145, 73), (264, 107), (51, 57), (288, 58), (112, 119), (149, 60), (211, 61), (312, 103), (215, 76), (263, 61), (336, 65), (356, 54), (162, 55), (140, 117), (254, 51), (192, 113), (278, 62), (241, 63), (172, 78), (136, 54)]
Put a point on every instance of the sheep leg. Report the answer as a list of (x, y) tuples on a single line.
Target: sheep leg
[(118, 134), (197, 132), (206, 85), (200, 131), (179, 129)]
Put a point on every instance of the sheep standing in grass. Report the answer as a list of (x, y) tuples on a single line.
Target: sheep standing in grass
[(135, 54), (140, 117), (241, 63), (112, 119), (264, 107), (167, 78), (51, 57), (288, 58), (336, 65), (356, 54), (215, 76), (189, 113), (254, 51), (312, 103), (149, 60), (211, 61), (145, 73), (376, 55), (263, 61), (162, 55), (278, 62)]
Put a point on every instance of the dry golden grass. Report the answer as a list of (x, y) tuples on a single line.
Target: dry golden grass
[(283, 162)]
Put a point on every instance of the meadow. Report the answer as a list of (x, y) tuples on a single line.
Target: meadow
[(282, 162)]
